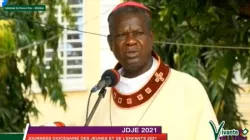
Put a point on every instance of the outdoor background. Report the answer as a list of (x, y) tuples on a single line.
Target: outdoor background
[(31, 92)]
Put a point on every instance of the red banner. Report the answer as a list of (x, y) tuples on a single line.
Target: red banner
[(96, 137)]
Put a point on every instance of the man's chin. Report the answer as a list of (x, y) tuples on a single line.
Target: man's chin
[(133, 61), (133, 67)]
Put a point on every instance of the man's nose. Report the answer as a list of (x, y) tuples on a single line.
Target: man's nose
[(130, 40)]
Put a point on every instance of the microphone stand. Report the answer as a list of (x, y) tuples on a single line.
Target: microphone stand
[(101, 95)]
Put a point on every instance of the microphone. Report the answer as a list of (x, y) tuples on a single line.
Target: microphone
[(109, 79)]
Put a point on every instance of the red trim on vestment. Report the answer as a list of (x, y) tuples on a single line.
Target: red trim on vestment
[(147, 91)]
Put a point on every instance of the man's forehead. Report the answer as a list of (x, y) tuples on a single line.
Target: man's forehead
[(129, 16), (129, 20)]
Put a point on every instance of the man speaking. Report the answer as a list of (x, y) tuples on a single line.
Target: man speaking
[(149, 92)]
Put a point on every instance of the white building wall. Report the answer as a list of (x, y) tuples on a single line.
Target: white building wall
[(107, 58)]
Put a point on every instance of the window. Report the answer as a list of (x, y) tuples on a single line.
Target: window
[(70, 49)]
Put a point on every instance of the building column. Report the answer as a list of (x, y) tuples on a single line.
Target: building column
[(91, 43)]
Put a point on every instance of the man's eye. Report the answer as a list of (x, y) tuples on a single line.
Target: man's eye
[(138, 33), (120, 35)]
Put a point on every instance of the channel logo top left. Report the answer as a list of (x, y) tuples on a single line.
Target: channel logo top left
[(3, 3)]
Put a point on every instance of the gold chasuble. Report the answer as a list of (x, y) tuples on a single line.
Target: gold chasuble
[(171, 99)]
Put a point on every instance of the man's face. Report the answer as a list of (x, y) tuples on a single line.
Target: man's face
[(131, 41)]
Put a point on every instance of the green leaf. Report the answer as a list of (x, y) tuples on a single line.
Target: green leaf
[(211, 23), (23, 29), (223, 65)]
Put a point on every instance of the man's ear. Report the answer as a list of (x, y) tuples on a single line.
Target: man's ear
[(152, 35), (110, 41)]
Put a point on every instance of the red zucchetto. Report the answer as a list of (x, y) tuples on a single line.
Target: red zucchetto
[(131, 3)]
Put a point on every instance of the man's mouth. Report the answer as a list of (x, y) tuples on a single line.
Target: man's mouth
[(131, 54)]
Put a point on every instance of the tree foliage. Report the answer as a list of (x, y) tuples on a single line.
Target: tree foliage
[(213, 23), (19, 29)]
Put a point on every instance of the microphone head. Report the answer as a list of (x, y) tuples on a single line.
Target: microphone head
[(113, 74)]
